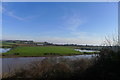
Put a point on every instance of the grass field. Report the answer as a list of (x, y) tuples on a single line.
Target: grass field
[(42, 51), (6, 44)]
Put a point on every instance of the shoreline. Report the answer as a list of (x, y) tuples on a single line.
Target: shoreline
[(42, 56)]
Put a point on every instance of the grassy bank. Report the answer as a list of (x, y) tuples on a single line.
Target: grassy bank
[(41, 51)]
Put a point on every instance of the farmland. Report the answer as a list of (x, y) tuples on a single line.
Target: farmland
[(42, 51), (23, 48), (5, 44)]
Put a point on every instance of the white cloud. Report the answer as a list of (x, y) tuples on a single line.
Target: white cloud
[(79, 34), (73, 22), (14, 16), (0, 9), (11, 14)]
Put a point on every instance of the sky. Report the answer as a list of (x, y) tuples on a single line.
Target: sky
[(60, 0), (59, 22)]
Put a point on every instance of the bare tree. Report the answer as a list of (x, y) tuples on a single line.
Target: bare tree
[(111, 42)]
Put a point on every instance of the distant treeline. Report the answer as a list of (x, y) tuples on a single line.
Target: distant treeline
[(14, 43)]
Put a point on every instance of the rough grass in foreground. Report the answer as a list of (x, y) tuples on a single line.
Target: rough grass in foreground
[(51, 69), (42, 51)]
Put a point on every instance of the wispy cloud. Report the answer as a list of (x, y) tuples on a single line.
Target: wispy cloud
[(0, 8), (73, 22), (78, 34), (13, 15)]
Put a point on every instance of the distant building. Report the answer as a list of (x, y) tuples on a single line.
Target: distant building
[(39, 44)]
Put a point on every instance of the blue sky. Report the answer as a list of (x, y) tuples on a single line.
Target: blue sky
[(57, 22)]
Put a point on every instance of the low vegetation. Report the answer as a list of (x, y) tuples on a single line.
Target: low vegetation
[(51, 69), (105, 67)]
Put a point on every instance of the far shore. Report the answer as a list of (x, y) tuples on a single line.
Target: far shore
[(42, 56)]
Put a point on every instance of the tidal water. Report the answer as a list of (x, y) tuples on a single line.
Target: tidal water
[(10, 64), (3, 50)]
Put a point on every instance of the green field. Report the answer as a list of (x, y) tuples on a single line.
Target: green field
[(5, 44), (42, 51)]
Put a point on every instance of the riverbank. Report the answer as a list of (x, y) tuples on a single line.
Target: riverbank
[(12, 56)]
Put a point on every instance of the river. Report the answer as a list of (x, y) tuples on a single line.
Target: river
[(10, 64), (15, 63), (86, 50), (3, 50)]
